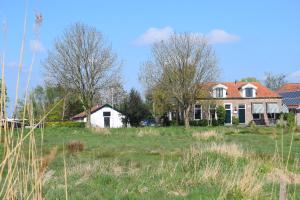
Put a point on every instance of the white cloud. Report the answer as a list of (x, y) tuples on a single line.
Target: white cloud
[(294, 77), (36, 45), (153, 35), (218, 36)]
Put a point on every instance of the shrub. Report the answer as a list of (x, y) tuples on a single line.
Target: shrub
[(221, 113), (235, 121), (291, 123), (203, 122), (214, 122), (70, 124), (194, 123), (75, 146)]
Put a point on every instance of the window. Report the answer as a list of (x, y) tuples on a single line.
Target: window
[(227, 106), (256, 116), (242, 106), (197, 112), (249, 92), (212, 112), (106, 114), (219, 92)]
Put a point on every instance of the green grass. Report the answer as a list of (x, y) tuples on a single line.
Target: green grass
[(165, 163)]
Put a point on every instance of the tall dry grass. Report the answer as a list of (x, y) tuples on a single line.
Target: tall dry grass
[(207, 135), (23, 164)]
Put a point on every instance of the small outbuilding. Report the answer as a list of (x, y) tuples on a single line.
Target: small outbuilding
[(104, 116)]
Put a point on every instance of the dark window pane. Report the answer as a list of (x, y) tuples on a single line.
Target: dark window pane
[(227, 106), (197, 106), (242, 106), (197, 114), (249, 92), (212, 113), (256, 116), (106, 114)]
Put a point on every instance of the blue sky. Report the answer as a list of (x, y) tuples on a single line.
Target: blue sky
[(249, 38)]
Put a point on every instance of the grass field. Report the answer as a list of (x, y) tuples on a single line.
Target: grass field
[(171, 163)]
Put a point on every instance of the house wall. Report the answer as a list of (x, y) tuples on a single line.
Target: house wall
[(248, 105), (97, 119)]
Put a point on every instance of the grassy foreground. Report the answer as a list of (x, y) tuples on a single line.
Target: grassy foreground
[(171, 163)]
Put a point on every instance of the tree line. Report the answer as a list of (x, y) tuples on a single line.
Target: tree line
[(83, 70)]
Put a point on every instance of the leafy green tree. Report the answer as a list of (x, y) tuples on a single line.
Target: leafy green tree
[(249, 79), (291, 120), (42, 99), (221, 113), (159, 102), (134, 109)]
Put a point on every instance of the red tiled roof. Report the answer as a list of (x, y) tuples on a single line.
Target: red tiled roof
[(93, 109), (289, 87), (233, 90)]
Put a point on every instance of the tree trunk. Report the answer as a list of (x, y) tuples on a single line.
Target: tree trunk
[(64, 109), (88, 118), (186, 113)]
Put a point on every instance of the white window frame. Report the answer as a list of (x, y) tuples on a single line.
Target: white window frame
[(244, 109), (195, 112), (219, 92), (249, 85), (230, 112), (215, 91), (252, 91)]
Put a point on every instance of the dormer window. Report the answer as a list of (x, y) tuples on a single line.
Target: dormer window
[(219, 91), (249, 92)]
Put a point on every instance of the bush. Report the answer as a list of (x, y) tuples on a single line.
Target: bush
[(235, 121), (221, 113), (70, 124), (214, 122), (201, 122), (75, 146), (291, 122), (194, 123)]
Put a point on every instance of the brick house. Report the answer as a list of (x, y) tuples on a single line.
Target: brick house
[(290, 94), (247, 101)]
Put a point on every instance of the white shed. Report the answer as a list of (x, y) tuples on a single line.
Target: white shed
[(102, 116)]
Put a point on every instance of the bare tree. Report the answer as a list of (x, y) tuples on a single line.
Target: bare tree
[(181, 66), (83, 62), (274, 81), (114, 94)]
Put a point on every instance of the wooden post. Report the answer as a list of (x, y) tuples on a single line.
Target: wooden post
[(283, 192)]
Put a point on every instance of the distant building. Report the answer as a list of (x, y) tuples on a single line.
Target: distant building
[(102, 116), (247, 101), (290, 94)]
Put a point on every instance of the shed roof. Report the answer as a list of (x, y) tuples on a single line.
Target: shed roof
[(93, 109)]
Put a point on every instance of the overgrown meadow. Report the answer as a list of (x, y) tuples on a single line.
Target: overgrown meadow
[(169, 163)]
